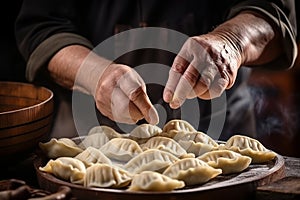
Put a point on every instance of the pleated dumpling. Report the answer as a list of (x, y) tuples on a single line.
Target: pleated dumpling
[(66, 168), (228, 161), (62, 147), (176, 126), (143, 132), (192, 171), (165, 144), (154, 181), (150, 160), (91, 156), (249, 147), (108, 131), (104, 176), (197, 143), (98, 136), (121, 149)]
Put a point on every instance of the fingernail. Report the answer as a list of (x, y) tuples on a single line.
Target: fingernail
[(153, 115)]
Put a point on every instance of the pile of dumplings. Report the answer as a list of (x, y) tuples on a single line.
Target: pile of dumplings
[(150, 158)]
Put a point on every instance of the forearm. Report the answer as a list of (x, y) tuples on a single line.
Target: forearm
[(252, 36), (78, 68)]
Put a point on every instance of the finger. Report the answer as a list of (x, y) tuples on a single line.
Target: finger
[(103, 102), (199, 89), (134, 88), (212, 83), (105, 110), (143, 103), (207, 76), (178, 68), (216, 89), (185, 86), (122, 109)]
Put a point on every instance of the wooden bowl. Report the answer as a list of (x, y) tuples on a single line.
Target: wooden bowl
[(26, 113)]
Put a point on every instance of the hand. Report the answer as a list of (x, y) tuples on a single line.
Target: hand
[(205, 66), (121, 96)]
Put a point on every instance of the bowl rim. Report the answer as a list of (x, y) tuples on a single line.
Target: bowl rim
[(32, 106)]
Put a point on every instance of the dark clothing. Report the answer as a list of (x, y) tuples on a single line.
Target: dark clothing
[(44, 27), (12, 63)]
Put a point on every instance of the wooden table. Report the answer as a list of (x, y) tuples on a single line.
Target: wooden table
[(286, 188)]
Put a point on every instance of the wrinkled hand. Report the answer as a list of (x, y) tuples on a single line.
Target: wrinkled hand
[(205, 66), (121, 96)]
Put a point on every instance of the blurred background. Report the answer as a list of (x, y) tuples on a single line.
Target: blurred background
[(276, 94), (276, 97)]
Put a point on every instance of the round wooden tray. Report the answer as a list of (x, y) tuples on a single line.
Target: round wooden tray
[(237, 186)]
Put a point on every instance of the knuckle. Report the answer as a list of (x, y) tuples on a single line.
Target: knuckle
[(191, 76), (178, 67), (206, 80), (136, 93)]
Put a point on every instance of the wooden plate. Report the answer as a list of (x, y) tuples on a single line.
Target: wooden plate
[(237, 186)]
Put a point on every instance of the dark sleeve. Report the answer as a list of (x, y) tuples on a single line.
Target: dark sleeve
[(44, 27), (283, 15)]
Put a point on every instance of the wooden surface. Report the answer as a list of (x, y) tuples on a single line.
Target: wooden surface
[(287, 188), (235, 186), (26, 113)]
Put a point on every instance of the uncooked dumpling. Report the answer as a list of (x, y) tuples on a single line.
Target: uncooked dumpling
[(104, 176), (228, 161), (66, 168), (154, 181), (98, 136), (165, 144), (150, 160), (249, 147), (176, 126), (96, 140), (62, 147), (197, 143), (108, 131), (91, 156), (143, 132), (192, 171), (121, 149)]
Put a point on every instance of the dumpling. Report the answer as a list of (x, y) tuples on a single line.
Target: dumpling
[(121, 149), (249, 147), (176, 126), (165, 144), (197, 143), (108, 131), (98, 136), (104, 176), (66, 168), (150, 160), (192, 171), (91, 156), (96, 140), (228, 161), (197, 136), (143, 132), (63, 147), (154, 181)]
